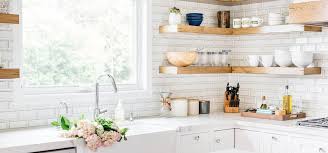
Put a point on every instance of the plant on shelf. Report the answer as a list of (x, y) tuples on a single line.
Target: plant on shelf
[(99, 133), (175, 16)]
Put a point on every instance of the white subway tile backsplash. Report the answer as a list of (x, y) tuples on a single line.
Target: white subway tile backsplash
[(8, 116), (18, 124)]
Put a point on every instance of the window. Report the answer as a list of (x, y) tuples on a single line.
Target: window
[(68, 43)]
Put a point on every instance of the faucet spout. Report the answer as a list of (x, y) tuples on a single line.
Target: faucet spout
[(97, 110)]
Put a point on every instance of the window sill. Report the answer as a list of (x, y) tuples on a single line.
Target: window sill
[(86, 98)]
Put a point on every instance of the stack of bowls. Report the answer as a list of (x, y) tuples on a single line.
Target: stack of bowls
[(276, 19), (195, 19)]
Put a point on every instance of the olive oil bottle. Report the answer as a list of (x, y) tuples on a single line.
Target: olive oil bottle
[(287, 101)]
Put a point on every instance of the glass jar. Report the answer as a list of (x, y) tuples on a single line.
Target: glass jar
[(224, 57), (209, 58), (203, 58), (218, 58)]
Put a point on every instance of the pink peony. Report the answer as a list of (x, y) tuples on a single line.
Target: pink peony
[(85, 128), (109, 138), (93, 142), (71, 133)]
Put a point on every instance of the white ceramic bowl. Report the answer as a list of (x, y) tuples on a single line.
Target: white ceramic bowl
[(302, 59), (283, 61), (283, 58)]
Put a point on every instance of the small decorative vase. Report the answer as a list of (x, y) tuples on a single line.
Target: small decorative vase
[(174, 19)]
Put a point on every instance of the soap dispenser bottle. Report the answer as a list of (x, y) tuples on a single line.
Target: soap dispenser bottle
[(119, 112), (287, 101)]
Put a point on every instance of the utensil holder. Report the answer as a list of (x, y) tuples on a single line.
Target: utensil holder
[(227, 108)]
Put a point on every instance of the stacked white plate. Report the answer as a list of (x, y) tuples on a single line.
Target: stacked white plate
[(276, 19)]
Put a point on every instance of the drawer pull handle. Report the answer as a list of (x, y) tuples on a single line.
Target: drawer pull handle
[(275, 138), (218, 141), (197, 138), (321, 150)]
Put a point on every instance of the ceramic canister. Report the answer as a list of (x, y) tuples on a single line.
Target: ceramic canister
[(193, 107), (179, 107)]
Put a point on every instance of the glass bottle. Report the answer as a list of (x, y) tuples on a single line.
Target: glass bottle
[(264, 103), (287, 101)]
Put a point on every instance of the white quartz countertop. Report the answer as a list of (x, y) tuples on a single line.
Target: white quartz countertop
[(34, 139)]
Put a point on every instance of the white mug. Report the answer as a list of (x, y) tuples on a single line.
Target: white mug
[(236, 23), (256, 21), (245, 22), (266, 60), (253, 60)]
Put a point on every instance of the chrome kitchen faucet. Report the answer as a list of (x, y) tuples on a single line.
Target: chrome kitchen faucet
[(97, 110)]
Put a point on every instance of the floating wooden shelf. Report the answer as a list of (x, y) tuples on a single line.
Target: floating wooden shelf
[(194, 29), (277, 70), (239, 69), (277, 29), (313, 13), (241, 31), (194, 70), (9, 18), (9, 73), (229, 2)]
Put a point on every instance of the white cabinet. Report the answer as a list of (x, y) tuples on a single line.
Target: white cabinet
[(159, 142), (274, 143), (194, 143), (223, 140), (303, 145), (247, 140), (61, 151)]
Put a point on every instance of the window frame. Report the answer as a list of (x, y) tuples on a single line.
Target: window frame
[(144, 67)]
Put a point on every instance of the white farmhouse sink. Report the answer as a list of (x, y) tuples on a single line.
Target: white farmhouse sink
[(233, 151)]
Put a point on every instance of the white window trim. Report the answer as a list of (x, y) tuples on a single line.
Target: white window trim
[(71, 94)]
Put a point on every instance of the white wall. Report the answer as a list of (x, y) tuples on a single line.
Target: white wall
[(15, 114)]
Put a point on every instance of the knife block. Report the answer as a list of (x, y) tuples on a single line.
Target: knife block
[(227, 108)]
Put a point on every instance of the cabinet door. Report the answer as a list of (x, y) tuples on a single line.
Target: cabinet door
[(62, 151), (223, 140), (247, 140), (302, 145), (194, 143), (273, 143)]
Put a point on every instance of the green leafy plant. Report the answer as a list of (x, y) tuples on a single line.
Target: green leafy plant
[(63, 122), (109, 125), (175, 10)]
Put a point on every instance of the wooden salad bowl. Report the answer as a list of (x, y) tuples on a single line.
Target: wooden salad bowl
[(181, 59)]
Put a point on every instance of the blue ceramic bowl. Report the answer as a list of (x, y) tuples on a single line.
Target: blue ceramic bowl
[(195, 22), (194, 18), (194, 15)]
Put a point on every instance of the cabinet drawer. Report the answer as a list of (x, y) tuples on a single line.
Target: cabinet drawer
[(247, 140), (194, 143), (303, 145), (223, 140), (274, 143)]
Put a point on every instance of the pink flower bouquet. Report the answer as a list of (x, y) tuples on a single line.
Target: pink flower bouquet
[(102, 132)]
